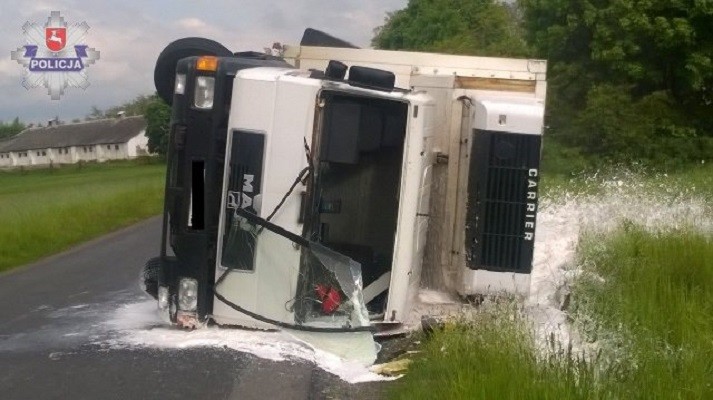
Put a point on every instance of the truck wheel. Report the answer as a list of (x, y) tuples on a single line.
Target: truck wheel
[(149, 277), (164, 75)]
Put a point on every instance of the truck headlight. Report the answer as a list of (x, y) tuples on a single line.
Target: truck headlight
[(180, 86), (188, 294), (162, 298), (205, 88)]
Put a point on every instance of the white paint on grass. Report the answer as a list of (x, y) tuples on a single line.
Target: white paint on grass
[(651, 204)]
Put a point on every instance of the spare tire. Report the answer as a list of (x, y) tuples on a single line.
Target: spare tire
[(164, 75)]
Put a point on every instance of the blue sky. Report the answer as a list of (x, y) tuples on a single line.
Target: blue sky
[(131, 33)]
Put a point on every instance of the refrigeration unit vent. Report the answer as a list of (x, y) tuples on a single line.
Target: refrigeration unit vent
[(502, 201)]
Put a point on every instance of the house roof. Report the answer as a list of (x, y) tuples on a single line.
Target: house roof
[(103, 131)]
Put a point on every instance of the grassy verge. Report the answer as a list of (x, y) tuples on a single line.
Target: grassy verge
[(694, 180), (649, 294), (46, 211), (644, 298), (492, 356)]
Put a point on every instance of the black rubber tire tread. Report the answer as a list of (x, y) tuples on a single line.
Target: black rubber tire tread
[(164, 75), (150, 276)]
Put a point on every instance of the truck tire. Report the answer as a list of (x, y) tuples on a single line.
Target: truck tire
[(164, 75), (149, 277)]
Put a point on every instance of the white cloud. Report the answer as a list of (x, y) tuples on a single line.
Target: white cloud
[(191, 23)]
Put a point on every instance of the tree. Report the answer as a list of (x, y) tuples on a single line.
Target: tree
[(158, 116), (95, 113), (11, 129), (618, 65), (137, 106), (656, 44), (478, 27)]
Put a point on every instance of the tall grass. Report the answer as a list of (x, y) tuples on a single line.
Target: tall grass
[(492, 356), (650, 299), (45, 211)]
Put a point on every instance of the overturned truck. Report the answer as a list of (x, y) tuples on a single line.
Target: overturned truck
[(318, 190)]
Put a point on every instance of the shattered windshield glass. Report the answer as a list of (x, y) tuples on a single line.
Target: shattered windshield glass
[(278, 277)]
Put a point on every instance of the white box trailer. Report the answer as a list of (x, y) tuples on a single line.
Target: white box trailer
[(298, 197)]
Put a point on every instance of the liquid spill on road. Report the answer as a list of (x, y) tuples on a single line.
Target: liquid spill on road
[(137, 325)]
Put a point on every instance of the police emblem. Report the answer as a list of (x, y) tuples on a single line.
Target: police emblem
[(56, 56)]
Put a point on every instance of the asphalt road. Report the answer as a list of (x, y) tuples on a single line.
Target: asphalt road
[(53, 339)]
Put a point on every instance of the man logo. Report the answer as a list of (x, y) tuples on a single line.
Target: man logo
[(243, 199)]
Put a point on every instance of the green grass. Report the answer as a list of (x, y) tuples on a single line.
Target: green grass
[(696, 180), (45, 211), (655, 302), (492, 356), (645, 298)]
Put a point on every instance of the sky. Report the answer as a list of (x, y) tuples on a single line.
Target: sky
[(131, 33)]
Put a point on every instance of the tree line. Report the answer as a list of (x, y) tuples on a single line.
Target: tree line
[(628, 80)]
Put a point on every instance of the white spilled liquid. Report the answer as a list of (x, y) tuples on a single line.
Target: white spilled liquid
[(655, 205)]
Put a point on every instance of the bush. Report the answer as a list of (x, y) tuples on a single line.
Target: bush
[(615, 127), (559, 159)]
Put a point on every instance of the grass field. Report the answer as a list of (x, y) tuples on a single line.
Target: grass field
[(46, 211), (492, 356), (648, 299), (642, 302)]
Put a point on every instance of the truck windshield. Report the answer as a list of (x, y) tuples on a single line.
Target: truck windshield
[(316, 288), (356, 201)]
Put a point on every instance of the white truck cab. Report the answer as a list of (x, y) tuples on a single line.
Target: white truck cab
[(366, 197)]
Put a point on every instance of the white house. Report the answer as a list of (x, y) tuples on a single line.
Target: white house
[(100, 140)]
